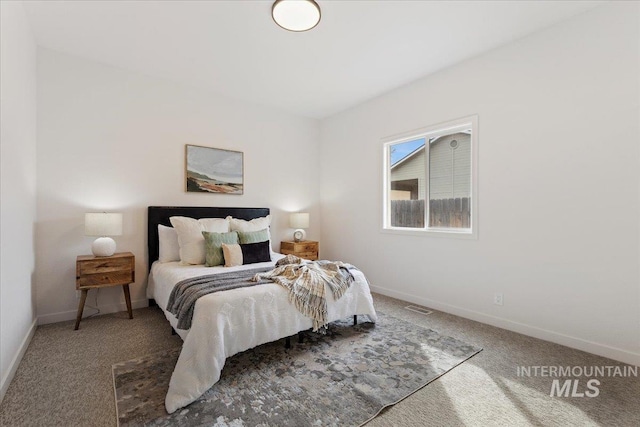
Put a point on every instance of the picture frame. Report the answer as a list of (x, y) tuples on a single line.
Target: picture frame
[(213, 170)]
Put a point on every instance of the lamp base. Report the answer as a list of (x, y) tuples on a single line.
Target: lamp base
[(299, 235), (103, 246)]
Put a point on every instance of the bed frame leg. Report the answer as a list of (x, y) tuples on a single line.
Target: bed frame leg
[(287, 342), (355, 319)]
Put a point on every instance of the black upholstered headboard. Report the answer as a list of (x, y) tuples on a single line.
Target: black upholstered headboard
[(161, 214)]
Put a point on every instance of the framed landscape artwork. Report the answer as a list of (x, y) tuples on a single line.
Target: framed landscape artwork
[(213, 170)]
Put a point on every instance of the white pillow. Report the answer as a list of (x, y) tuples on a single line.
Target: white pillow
[(255, 224), (190, 238), (169, 248)]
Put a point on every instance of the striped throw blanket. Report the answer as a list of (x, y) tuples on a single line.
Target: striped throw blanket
[(306, 282)]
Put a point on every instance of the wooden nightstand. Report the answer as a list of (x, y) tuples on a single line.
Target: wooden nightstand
[(307, 249), (99, 272)]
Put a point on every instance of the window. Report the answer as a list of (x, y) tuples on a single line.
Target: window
[(430, 180)]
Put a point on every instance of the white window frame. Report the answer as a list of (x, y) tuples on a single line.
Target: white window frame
[(430, 132)]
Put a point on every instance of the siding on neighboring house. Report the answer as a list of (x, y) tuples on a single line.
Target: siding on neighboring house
[(449, 169)]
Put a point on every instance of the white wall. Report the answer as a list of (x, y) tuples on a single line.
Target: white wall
[(18, 187), (558, 186), (114, 140)]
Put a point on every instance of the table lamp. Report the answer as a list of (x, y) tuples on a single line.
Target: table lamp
[(299, 221), (103, 225)]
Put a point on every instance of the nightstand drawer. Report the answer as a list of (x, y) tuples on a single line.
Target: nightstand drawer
[(306, 247), (105, 266), (105, 279), (297, 247), (308, 255)]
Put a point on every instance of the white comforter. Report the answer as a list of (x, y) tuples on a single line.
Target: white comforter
[(229, 322)]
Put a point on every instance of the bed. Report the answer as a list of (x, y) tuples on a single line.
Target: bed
[(232, 321)]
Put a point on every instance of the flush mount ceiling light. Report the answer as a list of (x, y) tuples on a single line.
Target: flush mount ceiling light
[(296, 15)]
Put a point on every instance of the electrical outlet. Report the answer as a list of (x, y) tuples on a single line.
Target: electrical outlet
[(497, 298)]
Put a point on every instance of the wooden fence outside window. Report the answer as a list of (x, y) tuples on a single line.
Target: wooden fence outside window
[(446, 213)]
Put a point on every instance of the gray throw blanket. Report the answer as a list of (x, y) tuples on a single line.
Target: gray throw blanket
[(185, 293)]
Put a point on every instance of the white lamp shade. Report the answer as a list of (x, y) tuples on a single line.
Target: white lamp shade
[(103, 224), (299, 220), (296, 15)]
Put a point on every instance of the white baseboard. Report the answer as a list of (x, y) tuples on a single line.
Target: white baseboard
[(533, 331), (104, 309), (15, 362)]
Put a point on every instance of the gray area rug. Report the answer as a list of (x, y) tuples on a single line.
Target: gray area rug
[(343, 378)]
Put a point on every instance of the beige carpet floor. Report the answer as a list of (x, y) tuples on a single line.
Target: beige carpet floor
[(65, 377)]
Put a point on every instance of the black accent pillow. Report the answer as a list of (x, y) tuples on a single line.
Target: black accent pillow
[(255, 252)]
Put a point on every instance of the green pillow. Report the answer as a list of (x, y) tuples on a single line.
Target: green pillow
[(213, 245), (253, 236)]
